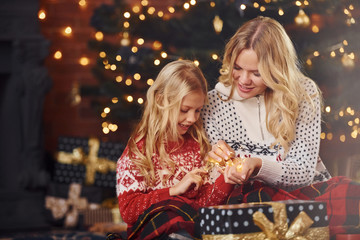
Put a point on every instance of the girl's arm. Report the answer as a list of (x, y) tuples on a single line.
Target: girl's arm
[(133, 196)]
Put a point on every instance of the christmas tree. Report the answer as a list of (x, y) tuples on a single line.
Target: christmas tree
[(136, 40)]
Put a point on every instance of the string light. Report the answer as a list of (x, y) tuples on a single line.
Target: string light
[(58, 55), (84, 61), (42, 14)]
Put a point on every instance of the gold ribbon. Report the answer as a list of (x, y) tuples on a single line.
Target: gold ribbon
[(70, 207), (279, 230), (91, 161)]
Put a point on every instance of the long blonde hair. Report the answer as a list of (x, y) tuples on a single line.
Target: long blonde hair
[(158, 125), (279, 68)]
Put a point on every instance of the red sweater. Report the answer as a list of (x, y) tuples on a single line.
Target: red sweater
[(135, 196)]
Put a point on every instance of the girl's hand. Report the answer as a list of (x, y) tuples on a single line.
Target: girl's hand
[(242, 171), (193, 177), (220, 151)]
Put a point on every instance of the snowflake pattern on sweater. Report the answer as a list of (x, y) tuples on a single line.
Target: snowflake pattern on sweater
[(135, 196), (240, 122)]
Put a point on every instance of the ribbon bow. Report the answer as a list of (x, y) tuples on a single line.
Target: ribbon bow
[(279, 230), (70, 207), (92, 162)]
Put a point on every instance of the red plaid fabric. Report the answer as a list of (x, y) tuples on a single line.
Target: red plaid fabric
[(341, 195), (161, 219)]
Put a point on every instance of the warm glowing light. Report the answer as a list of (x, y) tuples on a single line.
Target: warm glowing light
[(151, 10), (103, 115), (113, 67), (256, 5), (192, 2), (134, 49), (118, 58), (144, 2), (42, 14), (316, 53), (212, 4), (309, 62), (302, 19), (196, 62), (130, 98), (341, 50), (140, 41), (341, 113), (242, 6), (99, 36), (342, 138), (68, 30), (114, 100), (171, 9), (137, 76), (106, 110), (262, 9), (217, 24), (354, 134), (82, 3), (333, 54), (104, 124), (128, 82), (136, 9), (126, 24), (322, 135), (113, 127), (281, 12), (156, 62), (118, 78), (329, 136), (150, 82), (58, 55), (345, 42), (351, 7), (102, 54), (164, 55), (350, 123), (142, 17), (328, 109), (214, 56), (84, 61), (106, 130), (315, 29), (157, 45), (127, 15), (160, 13), (306, 3), (298, 3), (140, 100), (186, 6)]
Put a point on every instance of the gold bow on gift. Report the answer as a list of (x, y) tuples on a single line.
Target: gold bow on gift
[(92, 162), (279, 230)]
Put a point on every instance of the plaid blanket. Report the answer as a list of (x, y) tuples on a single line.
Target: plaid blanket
[(340, 193), (176, 214)]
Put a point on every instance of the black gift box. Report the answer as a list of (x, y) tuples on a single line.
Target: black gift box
[(76, 172), (238, 218)]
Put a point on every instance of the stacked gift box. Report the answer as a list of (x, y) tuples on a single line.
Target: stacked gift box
[(269, 220), (83, 182)]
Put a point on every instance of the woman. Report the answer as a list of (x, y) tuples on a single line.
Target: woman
[(265, 110)]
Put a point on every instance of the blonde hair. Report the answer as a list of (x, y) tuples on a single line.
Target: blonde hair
[(158, 125), (279, 68)]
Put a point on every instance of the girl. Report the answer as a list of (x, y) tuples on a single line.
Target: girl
[(164, 156)]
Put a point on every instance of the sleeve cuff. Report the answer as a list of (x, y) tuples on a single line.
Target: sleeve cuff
[(270, 171)]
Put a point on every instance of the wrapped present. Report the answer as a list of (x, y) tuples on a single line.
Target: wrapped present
[(66, 207), (290, 219), (87, 161)]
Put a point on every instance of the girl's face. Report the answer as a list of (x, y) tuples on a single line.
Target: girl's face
[(247, 79), (190, 108)]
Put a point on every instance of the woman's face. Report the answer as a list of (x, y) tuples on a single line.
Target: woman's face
[(190, 108), (247, 79)]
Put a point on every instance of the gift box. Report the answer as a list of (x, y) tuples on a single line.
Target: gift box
[(267, 220), (87, 161), (64, 203)]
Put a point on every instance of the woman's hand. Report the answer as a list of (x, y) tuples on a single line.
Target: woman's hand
[(242, 171), (220, 151), (193, 177)]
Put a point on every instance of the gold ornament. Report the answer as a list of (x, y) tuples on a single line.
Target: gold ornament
[(218, 24)]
